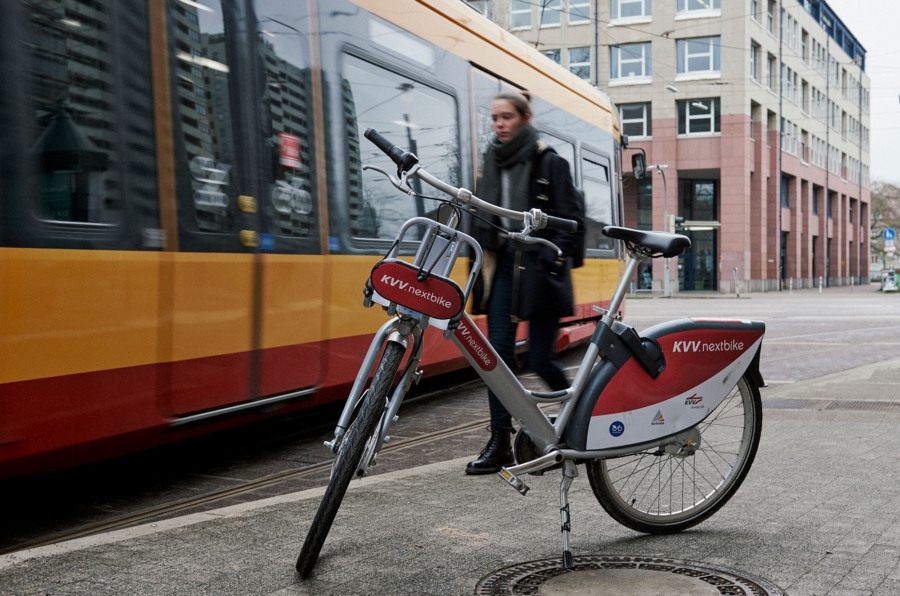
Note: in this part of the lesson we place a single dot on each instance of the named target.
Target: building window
(553, 55)
(754, 10)
(550, 13)
(485, 7)
(630, 60)
(752, 123)
(699, 55)
(580, 62)
(636, 119)
(815, 201)
(770, 17)
(698, 116)
(770, 72)
(520, 14)
(579, 12)
(629, 9)
(785, 192)
(688, 6)
(754, 60)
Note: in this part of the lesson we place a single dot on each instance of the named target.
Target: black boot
(496, 454)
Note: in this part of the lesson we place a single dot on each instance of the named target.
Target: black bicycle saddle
(651, 244)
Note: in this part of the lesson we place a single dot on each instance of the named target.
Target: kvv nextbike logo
(407, 287)
(470, 340)
(728, 345)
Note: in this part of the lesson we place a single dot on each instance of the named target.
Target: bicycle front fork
(398, 331)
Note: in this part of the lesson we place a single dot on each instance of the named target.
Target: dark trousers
(502, 335)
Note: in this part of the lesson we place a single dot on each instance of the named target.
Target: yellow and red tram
(185, 227)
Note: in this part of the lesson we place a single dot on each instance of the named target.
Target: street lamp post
(661, 169)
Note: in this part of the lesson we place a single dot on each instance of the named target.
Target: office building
(758, 108)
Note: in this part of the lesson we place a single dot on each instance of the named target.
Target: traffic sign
(890, 248)
(889, 234)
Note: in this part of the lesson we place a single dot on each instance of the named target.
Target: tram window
(204, 133)
(598, 200)
(412, 116)
(290, 207)
(564, 148)
(92, 126)
(484, 88)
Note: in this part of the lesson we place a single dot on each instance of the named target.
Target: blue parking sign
(889, 234)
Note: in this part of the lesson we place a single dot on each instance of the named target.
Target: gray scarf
(509, 164)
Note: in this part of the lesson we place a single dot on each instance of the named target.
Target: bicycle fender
(623, 405)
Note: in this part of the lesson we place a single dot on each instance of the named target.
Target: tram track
(161, 511)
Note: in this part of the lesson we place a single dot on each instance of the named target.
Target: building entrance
(698, 201)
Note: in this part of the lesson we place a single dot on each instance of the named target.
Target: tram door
(245, 284)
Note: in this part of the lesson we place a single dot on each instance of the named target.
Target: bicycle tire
(641, 491)
(349, 454)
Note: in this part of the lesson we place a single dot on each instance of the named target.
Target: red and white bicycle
(666, 423)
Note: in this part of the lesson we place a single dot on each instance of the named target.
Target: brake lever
(526, 239)
(398, 184)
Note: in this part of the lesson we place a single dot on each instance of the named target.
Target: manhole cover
(603, 575)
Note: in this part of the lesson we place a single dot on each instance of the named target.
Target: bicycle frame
(438, 252)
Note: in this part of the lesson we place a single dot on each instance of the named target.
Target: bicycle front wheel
(658, 493)
(349, 454)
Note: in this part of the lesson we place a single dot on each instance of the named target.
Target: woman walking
(522, 282)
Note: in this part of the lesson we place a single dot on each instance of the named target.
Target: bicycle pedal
(513, 481)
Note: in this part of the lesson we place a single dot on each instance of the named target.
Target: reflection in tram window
(598, 201)
(199, 42)
(409, 114)
(282, 33)
(77, 86)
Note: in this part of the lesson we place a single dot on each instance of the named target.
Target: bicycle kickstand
(569, 474)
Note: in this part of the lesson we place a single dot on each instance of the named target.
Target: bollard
(820, 284)
(736, 291)
(851, 285)
(790, 285)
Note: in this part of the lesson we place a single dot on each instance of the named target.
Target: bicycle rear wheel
(659, 493)
(349, 455)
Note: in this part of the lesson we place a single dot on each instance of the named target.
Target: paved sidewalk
(819, 514)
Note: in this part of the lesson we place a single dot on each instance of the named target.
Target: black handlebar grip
(403, 159)
(562, 224)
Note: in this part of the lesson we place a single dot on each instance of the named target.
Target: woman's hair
(520, 101)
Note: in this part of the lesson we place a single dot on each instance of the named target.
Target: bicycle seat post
(616, 301)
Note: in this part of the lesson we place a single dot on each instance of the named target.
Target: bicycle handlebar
(406, 161)
(562, 224)
(403, 159)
